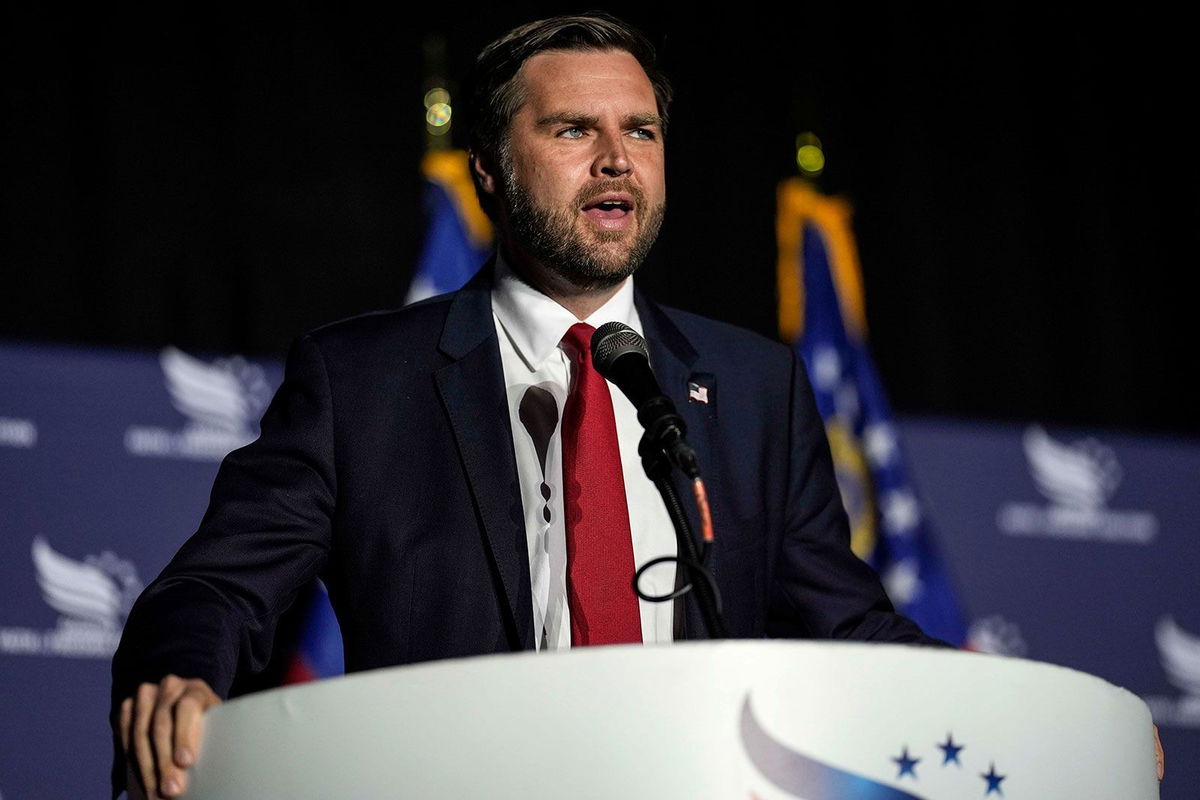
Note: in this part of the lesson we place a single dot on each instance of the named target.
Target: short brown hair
(494, 95)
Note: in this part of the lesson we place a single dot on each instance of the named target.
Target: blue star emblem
(950, 751)
(907, 764)
(993, 780)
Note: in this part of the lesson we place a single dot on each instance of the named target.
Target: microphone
(621, 356)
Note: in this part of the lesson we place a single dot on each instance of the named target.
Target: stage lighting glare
(811, 159)
(436, 96)
(438, 115)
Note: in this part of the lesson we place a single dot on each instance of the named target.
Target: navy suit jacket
(385, 466)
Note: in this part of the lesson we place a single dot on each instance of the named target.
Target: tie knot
(579, 339)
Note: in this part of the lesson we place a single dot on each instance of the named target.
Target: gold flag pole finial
(799, 205)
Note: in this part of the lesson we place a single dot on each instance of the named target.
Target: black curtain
(1023, 180)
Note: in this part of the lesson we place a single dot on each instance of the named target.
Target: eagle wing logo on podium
(1078, 479)
(222, 401)
(801, 775)
(93, 596)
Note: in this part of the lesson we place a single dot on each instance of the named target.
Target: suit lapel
(472, 389)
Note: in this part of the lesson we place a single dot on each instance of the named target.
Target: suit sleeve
(266, 533)
(820, 588)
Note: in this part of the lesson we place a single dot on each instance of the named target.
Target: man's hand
(160, 731)
(1159, 759)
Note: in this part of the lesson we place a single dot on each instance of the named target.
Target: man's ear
(483, 171)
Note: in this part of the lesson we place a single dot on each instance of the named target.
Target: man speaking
(457, 472)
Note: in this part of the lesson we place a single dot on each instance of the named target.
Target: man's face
(582, 175)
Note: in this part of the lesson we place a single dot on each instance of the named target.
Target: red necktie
(604, 609)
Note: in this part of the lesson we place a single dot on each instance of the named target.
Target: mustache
(622, 185)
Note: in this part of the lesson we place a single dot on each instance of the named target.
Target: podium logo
(1179, 654)
(92, 597)
(912, 772)
(1077, 479)
(221, 400)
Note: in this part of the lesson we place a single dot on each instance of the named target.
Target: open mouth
(609, 207)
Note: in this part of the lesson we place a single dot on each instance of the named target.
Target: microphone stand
(658, 464)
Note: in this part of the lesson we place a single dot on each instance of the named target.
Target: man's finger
(133, 787)
(189, 727)
(141, 750)
(189, 722)
(162, 731)
(1160, 758)
(126, 722)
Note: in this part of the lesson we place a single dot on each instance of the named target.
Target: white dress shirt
(530, 326)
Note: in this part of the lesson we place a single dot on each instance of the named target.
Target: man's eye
(571, 133)
(642, 133)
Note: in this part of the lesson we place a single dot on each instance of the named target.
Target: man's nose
(612, 160)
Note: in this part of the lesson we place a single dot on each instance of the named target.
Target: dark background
(1024, 181)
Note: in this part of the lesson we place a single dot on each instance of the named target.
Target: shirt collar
(535, 324)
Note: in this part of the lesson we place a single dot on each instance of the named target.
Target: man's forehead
(557, 76)
(582, 53)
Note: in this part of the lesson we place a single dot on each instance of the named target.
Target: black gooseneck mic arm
(621, 356)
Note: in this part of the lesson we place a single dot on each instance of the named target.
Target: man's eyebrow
(644, 120)
(569, 118)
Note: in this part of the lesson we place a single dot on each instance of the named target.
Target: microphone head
(613, 340)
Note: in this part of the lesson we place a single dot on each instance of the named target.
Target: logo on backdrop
(92, 597)
(1077, 479)
(16, 432)
(1179, 654)
(221, 400)
(997, 636)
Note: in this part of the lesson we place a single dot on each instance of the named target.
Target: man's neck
(581, 301)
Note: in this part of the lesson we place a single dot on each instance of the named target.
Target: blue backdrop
(1078, 548)
(106, 460)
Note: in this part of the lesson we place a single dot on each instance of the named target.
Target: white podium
(762, 719)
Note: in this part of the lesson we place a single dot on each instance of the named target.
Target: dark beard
(550, 238)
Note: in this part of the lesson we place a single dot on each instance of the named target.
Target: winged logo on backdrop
(17, 432)
(1179, 655)
(1078, 479)
(222, 401)
(92, 597)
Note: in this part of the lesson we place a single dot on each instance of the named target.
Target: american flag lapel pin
(697, 393)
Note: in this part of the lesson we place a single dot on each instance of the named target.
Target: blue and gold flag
(458, 237)
(821, 310)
